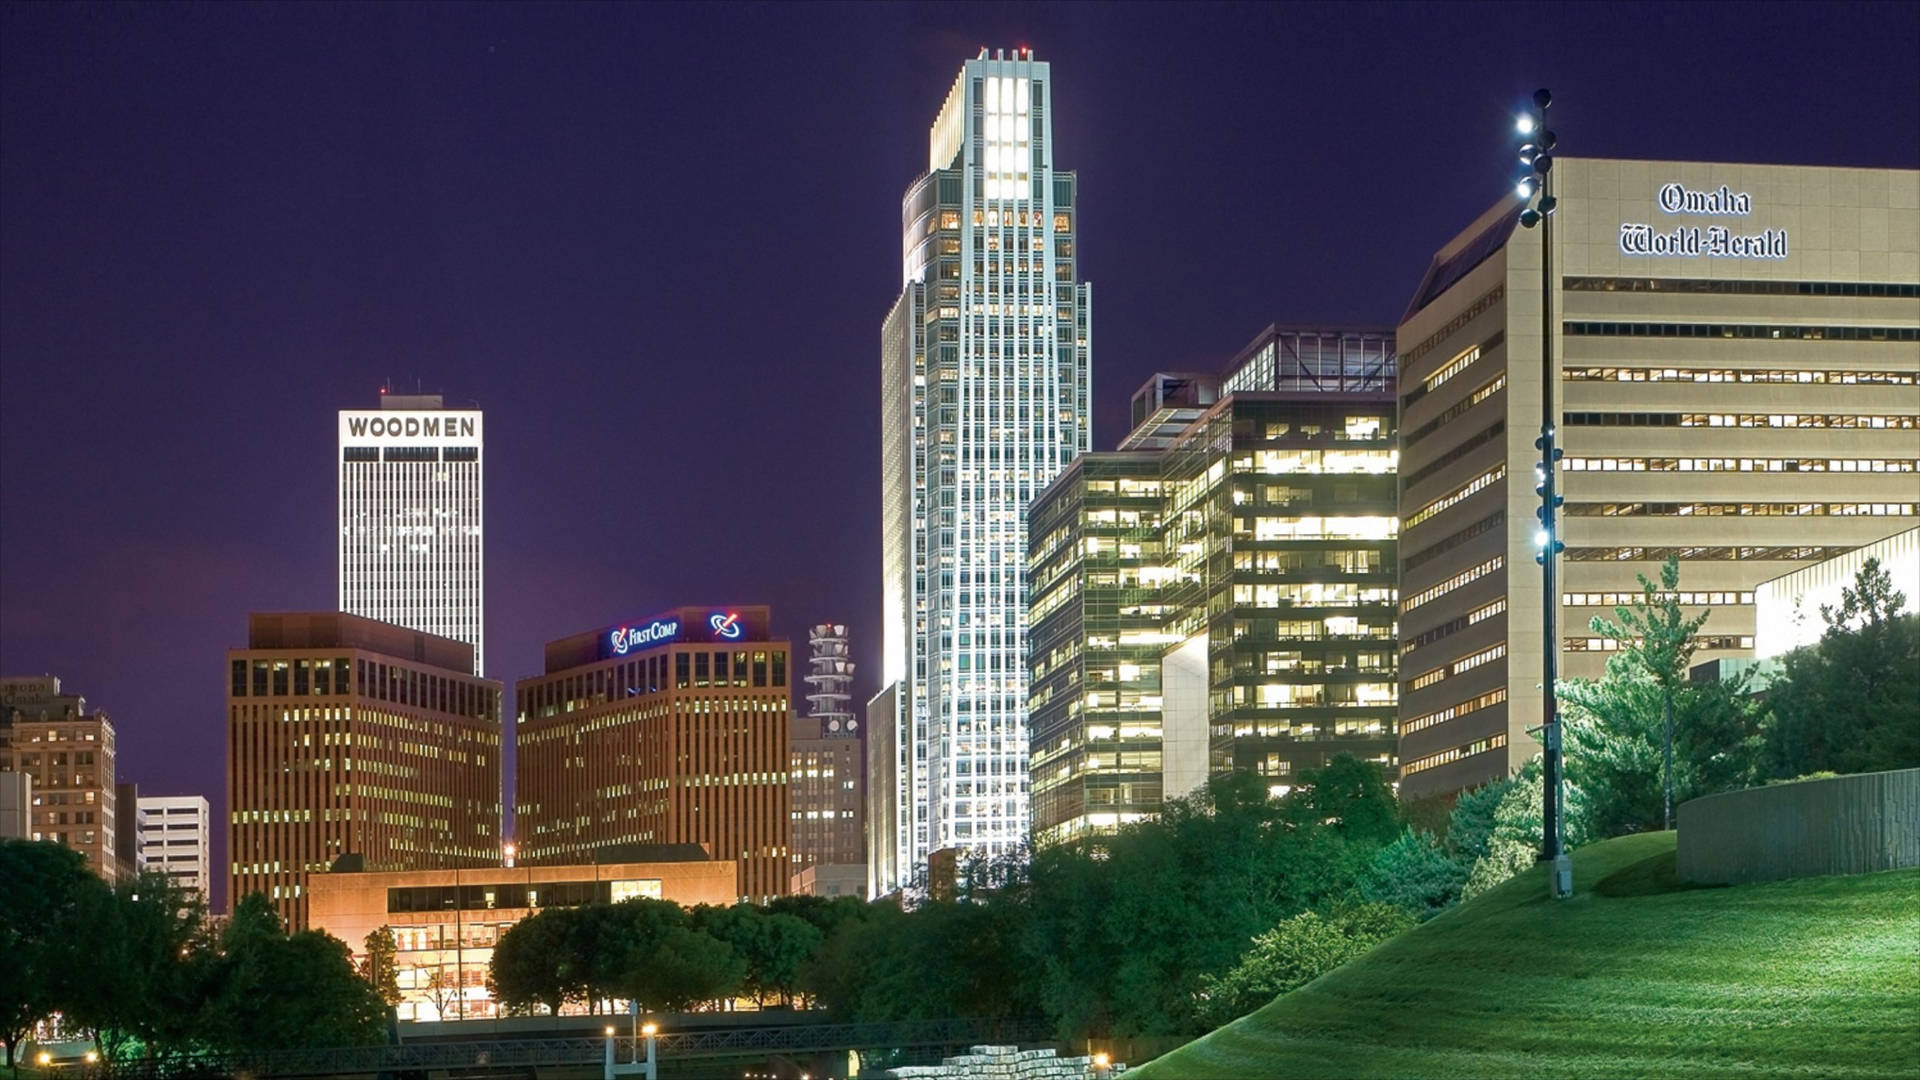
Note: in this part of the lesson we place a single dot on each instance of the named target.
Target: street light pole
(1537, 155)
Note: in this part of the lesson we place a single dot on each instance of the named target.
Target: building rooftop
(339, 630)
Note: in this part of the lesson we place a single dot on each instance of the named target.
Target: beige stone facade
(68, 752)
(446, 922)
(1745, 400)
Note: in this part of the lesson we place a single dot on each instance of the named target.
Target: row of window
(1741, 288)
(1457, 495)
(1627, 599)
(1669, 464)
(1497, 429)
(1494, 386)
(1704, 641)
(1742, 509)
(1451, 368)
(409, 453)
(1739, 420)
(1464, 577)
(1656, 553)
(1453, 754)
(1742, 331)
(1738, 375)
(1441, 716)
(1465, 664)
(1454, 625)
(1434, 339)
(1427, 554)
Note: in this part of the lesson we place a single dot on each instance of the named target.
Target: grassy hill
(1635, 975)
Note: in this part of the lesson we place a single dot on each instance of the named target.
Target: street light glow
(1540, 538)
(1525, 124)
(649, 1029)
(1525, 188)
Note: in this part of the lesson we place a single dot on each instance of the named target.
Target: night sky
(655, 244)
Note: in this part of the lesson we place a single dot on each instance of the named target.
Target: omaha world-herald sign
(1692, 241)
(396, 427)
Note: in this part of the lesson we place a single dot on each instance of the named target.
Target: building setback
(176, 841)
(986, 367)
(669, 730)
(67, 752)
(1743, 401)
(411, 510)
(347, 736)
(1220, 596)
(445, 923)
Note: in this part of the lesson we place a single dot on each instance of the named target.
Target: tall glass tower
(985, 375)
(410, 515)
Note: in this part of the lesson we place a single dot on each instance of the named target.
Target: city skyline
(155, 331)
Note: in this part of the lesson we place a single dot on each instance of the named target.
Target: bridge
(680, 1054)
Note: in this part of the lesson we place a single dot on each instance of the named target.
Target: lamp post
(1538, 204)
(650, 1030)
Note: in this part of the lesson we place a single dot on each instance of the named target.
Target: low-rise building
(445, 923)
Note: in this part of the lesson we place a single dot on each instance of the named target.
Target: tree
(534, 962)
(773, 945)
(44, 891)
(1296, 952)
(1656, 636)
(378, 966)
(1846, 703)
(275, 991)
(1414, 874)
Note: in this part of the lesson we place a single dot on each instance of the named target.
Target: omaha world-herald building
(985, 372)
(347, 736)
(668, 730)
(1218, 594)
(410, 516)
(1736, 348)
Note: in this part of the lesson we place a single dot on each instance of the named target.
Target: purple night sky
(656, 243)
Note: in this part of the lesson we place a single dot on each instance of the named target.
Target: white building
(1787, 608)
(174, 840)
(986, 371)
(410, 517)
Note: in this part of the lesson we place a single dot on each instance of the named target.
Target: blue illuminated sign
(623, 639)
(725, 624)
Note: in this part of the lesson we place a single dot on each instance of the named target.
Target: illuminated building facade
(986, 371)
(1736, 349)
(410, 549)
(669, 730)
(177, 841)
(347, 736)
(67, 751)
(445, 923)
(825, 763)
(1221, 597)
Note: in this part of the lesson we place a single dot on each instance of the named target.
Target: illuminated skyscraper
(410, 516)
(985, 375)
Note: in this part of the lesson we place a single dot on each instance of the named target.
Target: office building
(176, 841)
(445, 923)
(67, 751)
(668, 730)
(347, 736)
(985, 376)
(411, 511)
(1220, 596)
(826, 766)
(1734, 350)
(129, 831)
(16, 806)
(1787, 609)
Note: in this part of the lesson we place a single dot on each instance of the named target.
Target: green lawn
(1633, 976)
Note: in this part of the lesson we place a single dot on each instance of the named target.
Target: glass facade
(985, 379)
(1226, 603)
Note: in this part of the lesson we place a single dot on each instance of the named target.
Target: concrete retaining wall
(1843, 825)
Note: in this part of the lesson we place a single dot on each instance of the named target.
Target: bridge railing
(523, 1052)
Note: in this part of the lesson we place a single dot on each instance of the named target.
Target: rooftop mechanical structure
(829, 684)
